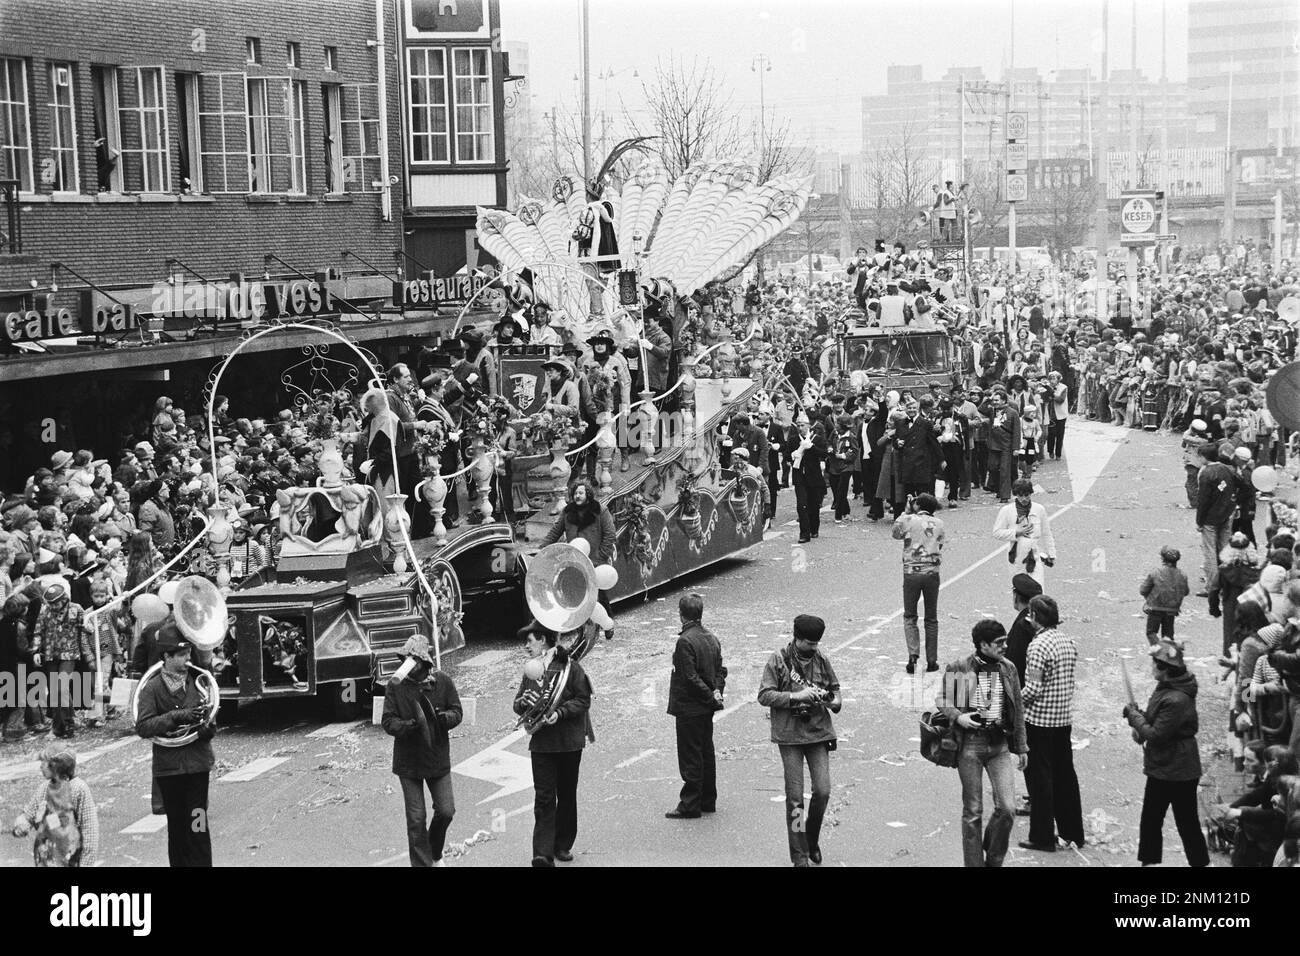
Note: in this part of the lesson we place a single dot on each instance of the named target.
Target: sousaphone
(560, 587)
(200, 611)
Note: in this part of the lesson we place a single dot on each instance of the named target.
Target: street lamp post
(761, 64)
(1230, 187)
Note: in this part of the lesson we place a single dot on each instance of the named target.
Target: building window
(223, 157)
(108, 132)
(277, 160)
(332, 58)
(473, 87)
(331, 101)
(295, 113)
(190, 142)
(15, 124)
(253, 48)
(142, 118)
(62, 171)
(428, 98)
(359, 120)
(292, 55)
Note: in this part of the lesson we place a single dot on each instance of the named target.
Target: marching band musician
(555, 710)
(169, 700)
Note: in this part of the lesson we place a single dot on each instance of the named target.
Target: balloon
(1264, 478)
(148, 608)
(534, 669)
(582, 545)
(606, 577)
(600, 617)
(168, 592)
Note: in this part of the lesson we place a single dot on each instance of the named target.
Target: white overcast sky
(826, 54)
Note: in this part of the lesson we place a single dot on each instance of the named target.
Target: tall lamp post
(1230, 187)
(761, 64)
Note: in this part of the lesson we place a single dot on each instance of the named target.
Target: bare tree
(1064, 211)
(690, 111)
(898, 177)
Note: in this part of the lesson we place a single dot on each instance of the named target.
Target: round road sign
(1137, 216)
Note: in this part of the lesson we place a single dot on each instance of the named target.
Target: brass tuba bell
(560, 587)
(200, 611)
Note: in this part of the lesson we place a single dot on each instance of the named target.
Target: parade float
(611, 260)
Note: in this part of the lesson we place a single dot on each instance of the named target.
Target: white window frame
(363, 165)
(332, 118)
(253, 50)
(293, 54)
(427, 108)
(112, 125)
(159, 154)
(11, 103)
(193, 134)
(490, 132)
(58, 148)
(277, 130)
(331, 59)
(233, 147)
(295, 109)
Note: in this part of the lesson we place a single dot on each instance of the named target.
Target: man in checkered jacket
(1049, 701)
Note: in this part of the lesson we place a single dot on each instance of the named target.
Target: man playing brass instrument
(554, 699)
(168, 701)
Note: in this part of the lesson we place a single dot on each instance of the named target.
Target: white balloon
(606, 576)
(1264, 478)
(582, 545)
(168, 592)
(600, 617)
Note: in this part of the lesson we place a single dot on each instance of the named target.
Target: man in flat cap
(800, 687)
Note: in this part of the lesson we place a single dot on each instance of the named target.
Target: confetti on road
(895, 824)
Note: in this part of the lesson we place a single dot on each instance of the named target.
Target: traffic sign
(1166, 237)
(1017, 157)
(1017, 187)
(1017, 126)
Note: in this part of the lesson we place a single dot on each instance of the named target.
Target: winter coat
(1164, 590)
(848, 454)
(917, 451)
(599, 532)
(160, 711)
(777, 686)
(960, 690)
(1167, 730)
(573, 729)
(697, 672)
(418, 716)
(1216, 496)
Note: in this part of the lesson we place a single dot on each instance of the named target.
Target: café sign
(431, 292)
(35, 325)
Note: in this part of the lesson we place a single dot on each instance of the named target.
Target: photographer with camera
(980, 696)
(801, 689)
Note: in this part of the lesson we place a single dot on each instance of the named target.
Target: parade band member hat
(417, 646)
(603, 334)
(1024, 585)
(809, 628)
(169, 639)
(1168, 653)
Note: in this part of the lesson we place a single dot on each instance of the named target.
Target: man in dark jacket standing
(555, 708)
(419, 709)
(807, 450)
(695, 692)
(171, 700)
(1216, 499)
(1023, 589)
(917, 447)
(1003, 442)
(1171, 759)
(981, 696)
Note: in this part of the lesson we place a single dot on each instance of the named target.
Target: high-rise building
(1255, 44)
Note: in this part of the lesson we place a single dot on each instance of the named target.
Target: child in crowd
(62, 812)
(1031, 433)
(1164, 590)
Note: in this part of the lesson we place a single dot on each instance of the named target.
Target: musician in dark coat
(917, 448)
(419, 710)
(556, 712)
(695, 692)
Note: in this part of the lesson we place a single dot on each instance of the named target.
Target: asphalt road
(291, 789)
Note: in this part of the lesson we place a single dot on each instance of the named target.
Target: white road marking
(28, 768)
(251, 771)
(334, 730)
(405, 855)
(497, 765)
(150, 824)
(631, 760)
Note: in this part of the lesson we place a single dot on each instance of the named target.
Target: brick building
(160, 145)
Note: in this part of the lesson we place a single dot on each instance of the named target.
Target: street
(290, 789)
